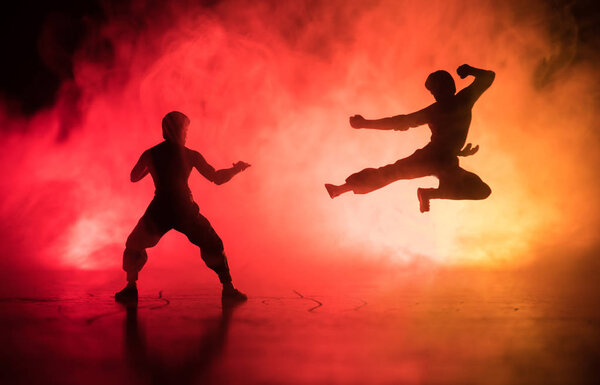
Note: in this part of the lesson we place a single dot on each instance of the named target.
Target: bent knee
(133, 244)
(139, 241)
(208, 242)
(485, 191)
(213, 259)
(134, 260)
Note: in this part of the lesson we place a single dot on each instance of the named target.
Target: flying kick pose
(449, 119)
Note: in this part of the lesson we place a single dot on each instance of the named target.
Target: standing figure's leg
(145, 234)
(456, 183)
(415, 166)
(200, 232)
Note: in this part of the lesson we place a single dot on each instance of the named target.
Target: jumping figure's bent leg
(457, 184)
(424, 195)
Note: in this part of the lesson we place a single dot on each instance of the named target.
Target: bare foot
(333, 190)
(423, 199)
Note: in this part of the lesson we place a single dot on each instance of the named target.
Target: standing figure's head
(174, 127)
(441, 85)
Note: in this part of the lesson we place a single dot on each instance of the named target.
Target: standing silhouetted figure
(449, 119)
(170, 164)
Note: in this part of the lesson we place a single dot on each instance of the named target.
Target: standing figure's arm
(483, 81)
(397, 123)
(217, 176)
(141, 168)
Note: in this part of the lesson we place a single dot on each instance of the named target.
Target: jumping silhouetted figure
(449, 119)
(170, 164)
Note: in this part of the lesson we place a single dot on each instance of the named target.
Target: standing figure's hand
(357, 121)
(463, 71)
(240, 166)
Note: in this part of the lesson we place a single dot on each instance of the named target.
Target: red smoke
(273, 84)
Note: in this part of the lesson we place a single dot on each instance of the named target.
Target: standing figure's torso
(170, 168)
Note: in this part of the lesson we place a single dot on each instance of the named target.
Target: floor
(440, 327)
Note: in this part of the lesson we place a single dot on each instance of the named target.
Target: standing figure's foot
(334, 190)
(423, 199)
(129, 294)
(232, 295)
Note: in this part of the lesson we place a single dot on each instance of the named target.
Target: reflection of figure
(449, 119)
(194, 369)
(170, 164)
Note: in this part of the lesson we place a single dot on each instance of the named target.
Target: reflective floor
(442, 327)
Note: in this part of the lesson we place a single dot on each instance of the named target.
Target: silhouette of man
(449, 119)
(170, 164)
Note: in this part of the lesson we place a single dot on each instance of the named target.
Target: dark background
(39, 40)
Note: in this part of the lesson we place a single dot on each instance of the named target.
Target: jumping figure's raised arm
(483, 81)
(216, 176)
(141, 168)
(397, 123)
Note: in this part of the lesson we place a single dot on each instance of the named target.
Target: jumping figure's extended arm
(483, 81)
(141, 168)
(217, 176)
(397, 123)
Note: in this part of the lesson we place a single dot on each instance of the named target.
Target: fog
(273, 84)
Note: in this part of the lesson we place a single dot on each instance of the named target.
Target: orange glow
(279, 97)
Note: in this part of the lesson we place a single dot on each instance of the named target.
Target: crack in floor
(364, 303)
(319, 304)
(166, 302)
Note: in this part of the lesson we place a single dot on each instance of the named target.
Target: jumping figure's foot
(231, 295)
(423, 199)
(334, 190)
(127, 295)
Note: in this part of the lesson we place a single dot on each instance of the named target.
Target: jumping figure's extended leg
(335, 191)
(417, 165)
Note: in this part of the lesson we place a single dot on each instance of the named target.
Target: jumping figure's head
(174, 127)
(441, 85)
